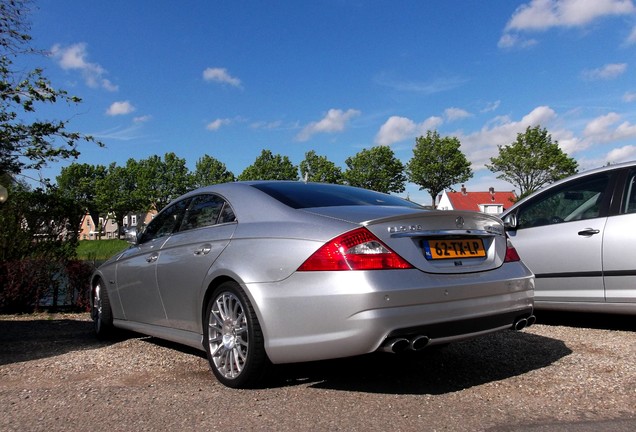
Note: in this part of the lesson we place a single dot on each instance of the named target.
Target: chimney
(463, 190)
(492, 193)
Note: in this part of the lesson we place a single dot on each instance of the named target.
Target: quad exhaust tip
(402, 344)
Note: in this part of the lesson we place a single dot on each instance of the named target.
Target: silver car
(576, 235)
(278, 272)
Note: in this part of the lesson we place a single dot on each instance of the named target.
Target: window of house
(133, 219)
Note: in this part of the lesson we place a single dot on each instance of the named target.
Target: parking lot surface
(568, 372)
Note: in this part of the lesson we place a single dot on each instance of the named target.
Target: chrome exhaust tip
(419, 342)
(395, 345)
(531, 320)
(520, 324)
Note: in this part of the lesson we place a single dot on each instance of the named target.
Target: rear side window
(578, 200)
(206, 210)
(630, 196)
(301, 195)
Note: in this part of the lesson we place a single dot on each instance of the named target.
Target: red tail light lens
(511, 253)
(356, 250)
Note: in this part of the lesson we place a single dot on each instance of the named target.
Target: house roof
(472, 200)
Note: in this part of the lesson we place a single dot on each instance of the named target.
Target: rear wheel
(233, 338)
(101, 311)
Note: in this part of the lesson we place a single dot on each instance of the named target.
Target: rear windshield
(301, 195)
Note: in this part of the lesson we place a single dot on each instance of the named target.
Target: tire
(233, 338)
(101, 311)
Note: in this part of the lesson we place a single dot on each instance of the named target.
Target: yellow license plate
(454, 248)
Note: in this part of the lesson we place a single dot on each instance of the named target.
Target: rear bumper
(321, 315)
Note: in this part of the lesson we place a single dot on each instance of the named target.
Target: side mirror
(510, 221)
(131, 236)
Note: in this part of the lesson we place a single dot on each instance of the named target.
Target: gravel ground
(557, 375)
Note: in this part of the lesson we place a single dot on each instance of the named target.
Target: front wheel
(101, 311)
(233, 338)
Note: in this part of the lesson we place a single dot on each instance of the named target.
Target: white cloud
(334, 121)
(480, 146)
(221, 75)
(629, 97)
(74, 57)
(609, 71)
(545, 14)
(508, 40)
(600, 125)
(541, 15)
(453, 114)
(397, 129)
(217, 124)
(142, 119)
(631, 39)
(267, 125)
(492, 106)
(621, 154)
(120, 108)
(425, 87)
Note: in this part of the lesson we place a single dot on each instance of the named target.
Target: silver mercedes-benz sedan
(576, 235)
(256, 273)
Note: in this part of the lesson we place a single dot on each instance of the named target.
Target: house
(88, 230)
(107, 226)
(485, 202)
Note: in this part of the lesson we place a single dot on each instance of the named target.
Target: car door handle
(588, 232)
(203, 250)
(152, 258)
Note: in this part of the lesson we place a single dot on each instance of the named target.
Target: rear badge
(459, 222)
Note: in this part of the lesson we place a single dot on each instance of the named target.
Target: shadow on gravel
(587, 320)
(23, 340)
(435, 371)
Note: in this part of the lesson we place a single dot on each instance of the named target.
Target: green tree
(78, 182)
(116, 193)
(437, 164)
(26, 143)
(268, 166)
(376, 169)
(532, 161)
(160, 181)
(316, 168)
(209, 171)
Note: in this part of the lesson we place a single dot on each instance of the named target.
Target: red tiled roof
(472, 200)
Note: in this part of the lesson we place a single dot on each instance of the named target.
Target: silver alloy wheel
(228, 335)
(97, 303)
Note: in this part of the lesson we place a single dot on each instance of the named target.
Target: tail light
(511, 252)
(356, 250)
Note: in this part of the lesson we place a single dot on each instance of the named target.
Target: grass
(99, 249)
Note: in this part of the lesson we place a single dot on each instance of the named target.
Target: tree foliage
(210, 171)
(316, 168)
(532, 161)
(78, 182)
(377, 169)
(268, 166)
(437, 163)
(24, 143)
(160, 181)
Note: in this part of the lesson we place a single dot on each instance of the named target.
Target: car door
(186, 257)
(136, 270)
(619, 260)
(559, 236)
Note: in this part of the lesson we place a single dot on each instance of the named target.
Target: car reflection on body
(266, 272)
(576, 235)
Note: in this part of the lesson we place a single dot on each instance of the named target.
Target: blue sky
(229, 79)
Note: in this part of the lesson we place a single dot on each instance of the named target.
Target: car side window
(630, 196)
(577, 200)
(205, 210)
(166, 222)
